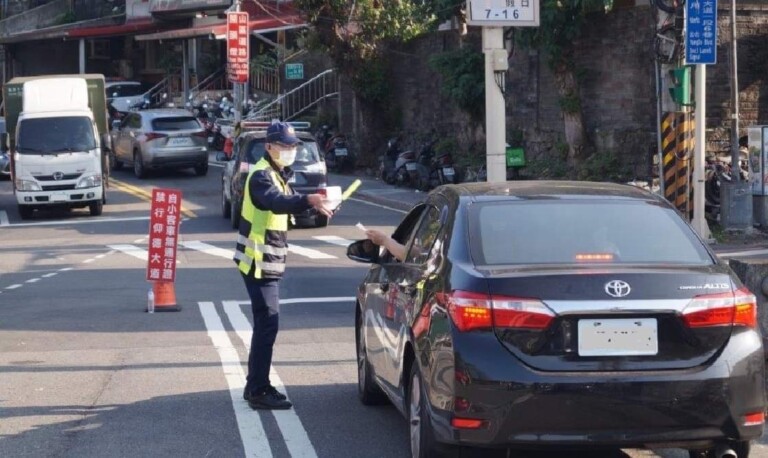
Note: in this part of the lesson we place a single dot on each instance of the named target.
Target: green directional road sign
(294, 71)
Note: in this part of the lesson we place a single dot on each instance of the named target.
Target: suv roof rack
(263, 125)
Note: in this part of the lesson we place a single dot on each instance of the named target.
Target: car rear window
(256, 150)
(175, 123)
(125, 90)
(306, 153)
(581, 231)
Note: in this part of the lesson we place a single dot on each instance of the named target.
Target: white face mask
(285, 157)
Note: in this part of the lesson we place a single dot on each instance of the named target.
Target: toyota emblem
(617, 288)
(58, 176)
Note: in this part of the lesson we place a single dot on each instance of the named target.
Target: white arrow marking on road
(255, 440)
(333, 240)
(132, 250)
(295, 436)
(309, 252)
(3, 218)
(208, 249)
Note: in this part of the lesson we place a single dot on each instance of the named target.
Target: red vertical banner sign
(165, 215)
(238, 49)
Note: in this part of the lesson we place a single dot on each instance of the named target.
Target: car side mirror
(363, 251)
(221, 156)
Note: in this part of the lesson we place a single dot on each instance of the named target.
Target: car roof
(545, 189)
(302, 135)
(166, 112)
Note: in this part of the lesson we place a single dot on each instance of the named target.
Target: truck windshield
(55, 135)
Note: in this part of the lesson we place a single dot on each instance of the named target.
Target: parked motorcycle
(717, 170)
(338, 157)
(395, 164)
(433, 170)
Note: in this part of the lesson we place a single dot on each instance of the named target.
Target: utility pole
(492, 16)
(237, 92)
(735, 159)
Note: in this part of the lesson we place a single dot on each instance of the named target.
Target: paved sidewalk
(402, 198)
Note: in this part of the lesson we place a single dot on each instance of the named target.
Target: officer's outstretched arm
(267, 196)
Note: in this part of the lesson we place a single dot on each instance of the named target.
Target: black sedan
(558, 315)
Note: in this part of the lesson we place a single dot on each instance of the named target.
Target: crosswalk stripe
(131, 250)
(295, 436)
(208, 249)
(252, 433)
(333, 240)
(309, 252)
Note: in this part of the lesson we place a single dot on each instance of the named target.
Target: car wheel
(226, 206)
(422, 442)
(369, 393)
(235, 215)
(25, 212)
(138, 165)
(201, 169)
(321, 221)
(116, 165)
(96, 208)
(741, 449)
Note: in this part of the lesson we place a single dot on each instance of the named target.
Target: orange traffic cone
(165, 297)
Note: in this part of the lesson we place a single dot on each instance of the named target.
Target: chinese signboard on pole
(163, 234)
(701, 32)
(238, 50)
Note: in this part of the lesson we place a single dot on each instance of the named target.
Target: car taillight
(153, 136)
(737, 308)
(470, 311)
(754, 419)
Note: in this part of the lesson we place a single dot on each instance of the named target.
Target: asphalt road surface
(85, 372)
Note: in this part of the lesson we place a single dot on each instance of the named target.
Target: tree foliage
(463, 72)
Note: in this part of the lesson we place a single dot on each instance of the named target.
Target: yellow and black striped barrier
(677, 147)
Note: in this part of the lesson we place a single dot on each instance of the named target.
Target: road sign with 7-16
(500, 13)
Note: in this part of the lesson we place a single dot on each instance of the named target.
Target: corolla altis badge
(617, 288)
(58, 175)
(707, 286)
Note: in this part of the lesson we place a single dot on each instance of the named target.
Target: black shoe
(268, 400)
(270, 389)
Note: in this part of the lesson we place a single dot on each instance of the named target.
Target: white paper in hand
(360, 226)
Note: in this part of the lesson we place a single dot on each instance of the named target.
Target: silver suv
(164, 138)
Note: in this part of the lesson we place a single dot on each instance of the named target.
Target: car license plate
(59, 197)
(179, 141)
(341, 151)
(618, 337)
(448, 171)
(410, 166)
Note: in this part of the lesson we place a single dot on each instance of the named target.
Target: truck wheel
(96, 208)
(138, 165)
(226, 206)
(235, 211)
(321, 221)
(25, 211)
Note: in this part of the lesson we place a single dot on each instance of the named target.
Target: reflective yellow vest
(263, 234)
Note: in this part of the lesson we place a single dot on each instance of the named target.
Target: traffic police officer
(261, 251)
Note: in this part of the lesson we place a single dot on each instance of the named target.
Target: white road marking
(735, 254)
(66, 269)
(32, 280)
(309, 252)
(141, 240)
(295, 436)
(101, 255)
(97, 219)
(87, 261)
(131, 250)
(3, 218)
(334, 240)
(14, 286)
(208, 249)
(255, 440)
(378, 205)
(52, 274)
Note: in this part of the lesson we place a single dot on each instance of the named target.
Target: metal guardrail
(299, 99)
(212, 81)
(265, 79)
